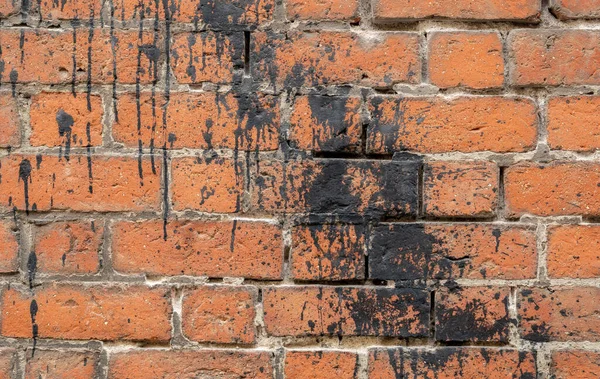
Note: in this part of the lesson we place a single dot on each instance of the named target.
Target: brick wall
(367, 189)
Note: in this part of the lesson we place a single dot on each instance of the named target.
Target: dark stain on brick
(331, 114)
(218, 14)
(33, 310)
(65, 128)
(25, 176)
(31, 267)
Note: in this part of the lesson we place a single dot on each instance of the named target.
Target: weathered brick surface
(320, 364)
(573, 251)
(575, 364)
(71, 364)
(9, 247)
(8, 362)
(573, 123)
(323, 10)
(11, 133)
(575, 9)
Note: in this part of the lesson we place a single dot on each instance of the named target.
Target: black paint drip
(65, 129)
(31, 267)
(25, 176)
(33, 310)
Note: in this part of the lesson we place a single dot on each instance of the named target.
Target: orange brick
(326, 123)
(346, 311)
(451, 362)
(573, 251)
(84, 183)
(143, 364)
(452, 251)
(573, 123)
(219, 314)
(207, 184)
(11, 129)
(554, 57)
(62, 364)
(68, 247)
(70, 9)
(559, 314)
(78, 312)
(437, 125)
(8, 363)
(214, 249)
(575, 9)
(199, 120)
(326, 58)
(9, 8)
(9, 247)
(323, 10)
(472, 60)
(328, 252)
(561, 188)
(460, 189)
(575, 364)
(60, 119)
(320, 364)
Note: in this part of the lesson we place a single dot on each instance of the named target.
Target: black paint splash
(65, 129)
(25, 176)
(33, 310)
(31, 268)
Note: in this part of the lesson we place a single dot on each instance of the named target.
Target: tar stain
(31, 267)
(25, 176)
(13, 76)
(33, 310)
(65, 129)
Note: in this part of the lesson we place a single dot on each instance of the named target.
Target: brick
(83, 183)
(460, 189)
(326, 58)
(326, 124)
(451, 362)
(151, 363)
(9, 247)
(70, 9)
(573, 123)
(438, 125)
(199, 120)
(219, 314)
(9, 114)
(573, 251)
(68, 247)
(471, 60)
(8, 363)
(199, 248)
(554, 57)
(76, 312)
(476, 314)
(60, 119)
(337, 186)
(207, 57)
(9, 8)
(452, 251)
(323, 10)
(62, 364)
(212, 184)
(575, 9)
(328, 252)
(64, 56)
(575, 364)
(320, 364)
(560, 188)
(559, 314)
(346, 311)
(407, 10)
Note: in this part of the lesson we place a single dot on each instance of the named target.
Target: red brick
(62, 364)
(71, 9)
(472, 60)
(326, 124)
(575, 9)
(320, 364)
(575, 364)
(207, 184)
(460, 189)
(573, 251)
(76, 312)
(328, 252)
(336, 186)
(478, 314)
(209, 248)
(560, 314)
(49, 183)
(8, 363)
(323, 10)
(9, 8)
(407, 10)
(451, 362)
(68, 247)
(219, 314)
(561, 188)
(554, 57)
(52, 50)
(9, 114)
(438, 125)
(573, 123)
(143, 364)
(9, 247)
(346, 311)
(199, 120)
(452, 251)
(325, 58)
(60, 119)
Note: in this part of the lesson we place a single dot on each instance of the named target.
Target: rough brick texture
(299, 189)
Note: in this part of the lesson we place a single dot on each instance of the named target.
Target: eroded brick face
(297, 189)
